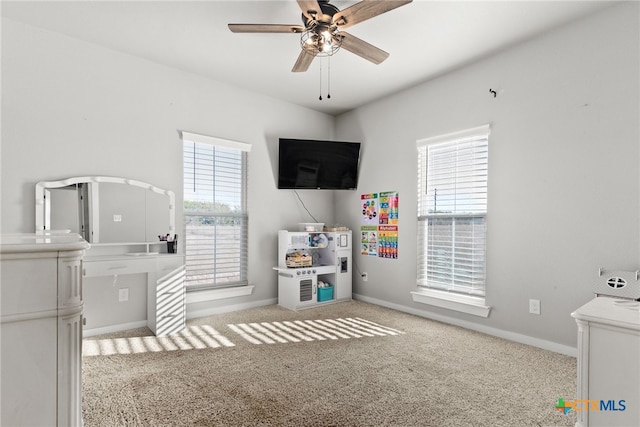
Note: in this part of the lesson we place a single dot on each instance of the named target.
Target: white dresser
(608, 363)
(41, 329)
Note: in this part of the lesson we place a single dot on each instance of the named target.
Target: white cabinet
(164, 276)
(41, 330)
(608, 363)
(166, 311)
(322, 258)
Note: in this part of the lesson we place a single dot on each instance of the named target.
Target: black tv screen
(313, 164)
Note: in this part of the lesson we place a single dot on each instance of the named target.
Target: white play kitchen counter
(608, 362)
(41, 329)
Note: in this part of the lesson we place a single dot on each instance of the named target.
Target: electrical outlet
(534, 306)
(365, 277)
(117, 218)
(123, 294)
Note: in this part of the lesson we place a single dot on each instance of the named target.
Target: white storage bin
(311, 226)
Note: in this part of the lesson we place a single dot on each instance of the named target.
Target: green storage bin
(325, 294)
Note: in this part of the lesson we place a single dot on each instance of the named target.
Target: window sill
(462, 303)
(216, 294)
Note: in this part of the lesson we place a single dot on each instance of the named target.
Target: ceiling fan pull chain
(320, 97)
(329, 78)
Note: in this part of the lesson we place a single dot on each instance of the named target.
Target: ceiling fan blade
(304, 60)
(310, 8)
(265, 28)
(362, 48)
(364, 10)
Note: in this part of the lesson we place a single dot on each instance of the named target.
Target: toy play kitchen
(314, 266)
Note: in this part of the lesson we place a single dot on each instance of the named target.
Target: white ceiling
(424, 38)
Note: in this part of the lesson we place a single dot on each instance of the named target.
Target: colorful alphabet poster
(388, 241)
(380, 220)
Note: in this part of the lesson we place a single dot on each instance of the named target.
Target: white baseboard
(113, 328)
(192, 314)
(219, 293)
(512, 336)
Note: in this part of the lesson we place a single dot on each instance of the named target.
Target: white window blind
(215, 211)
(452, 207)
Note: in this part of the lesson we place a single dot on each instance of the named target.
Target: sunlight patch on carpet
(310, 330)
(191, 338)
(206, 336)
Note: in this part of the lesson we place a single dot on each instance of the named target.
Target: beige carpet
(345, 364)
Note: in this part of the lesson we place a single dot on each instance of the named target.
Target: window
(215, 211)
(452, 209)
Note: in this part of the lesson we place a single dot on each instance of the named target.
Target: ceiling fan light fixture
(321, 41)
(319, 30)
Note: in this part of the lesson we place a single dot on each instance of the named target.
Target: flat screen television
(314, 164)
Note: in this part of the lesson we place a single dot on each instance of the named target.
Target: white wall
(564, 177)
(72, 108)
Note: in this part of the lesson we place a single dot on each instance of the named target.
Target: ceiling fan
(321, 32)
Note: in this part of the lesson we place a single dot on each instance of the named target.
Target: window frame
(438, 294)
(243, 215)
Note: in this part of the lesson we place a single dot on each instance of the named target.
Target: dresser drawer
(168, 263)
(118, 266)
(28, 286)
(170, 323)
